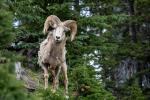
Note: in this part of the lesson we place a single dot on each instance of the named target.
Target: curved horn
(52, 21)
(72, 25)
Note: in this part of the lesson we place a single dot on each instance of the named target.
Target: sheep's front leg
(46, 76)
(64, 69)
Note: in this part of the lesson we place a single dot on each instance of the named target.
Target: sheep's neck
(56, 52)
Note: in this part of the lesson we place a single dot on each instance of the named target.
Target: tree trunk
(76, 6)
(132, 26)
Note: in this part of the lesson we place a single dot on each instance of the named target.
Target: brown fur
(52, 54)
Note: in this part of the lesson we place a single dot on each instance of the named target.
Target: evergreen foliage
(10, 88)
(6, 35)
(133, 92)
(109, 31)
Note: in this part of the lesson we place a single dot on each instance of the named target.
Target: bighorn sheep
(51, 55)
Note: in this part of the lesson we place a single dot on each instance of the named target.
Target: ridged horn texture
(51, 21)
(72, 25)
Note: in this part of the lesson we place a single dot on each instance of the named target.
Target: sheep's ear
(72, 25)
(51, 21)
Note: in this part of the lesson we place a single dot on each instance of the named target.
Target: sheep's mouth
(58, 41)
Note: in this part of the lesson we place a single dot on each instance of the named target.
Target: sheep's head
(60, 28)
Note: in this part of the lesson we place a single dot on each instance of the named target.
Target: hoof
(53, 91)
(45, 88)
(66, 96)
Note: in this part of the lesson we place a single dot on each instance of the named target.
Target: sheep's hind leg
(64, 69)
(46, 76)
(54, 80)
(57, 77)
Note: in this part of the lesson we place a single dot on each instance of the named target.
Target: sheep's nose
(57, 37)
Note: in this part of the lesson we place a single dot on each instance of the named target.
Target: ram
(51, 55)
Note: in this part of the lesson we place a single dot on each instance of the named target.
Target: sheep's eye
(50, 29)
(65, 31)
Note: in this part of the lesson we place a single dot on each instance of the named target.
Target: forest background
(107, 61)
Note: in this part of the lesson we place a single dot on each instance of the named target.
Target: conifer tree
(109, 32)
